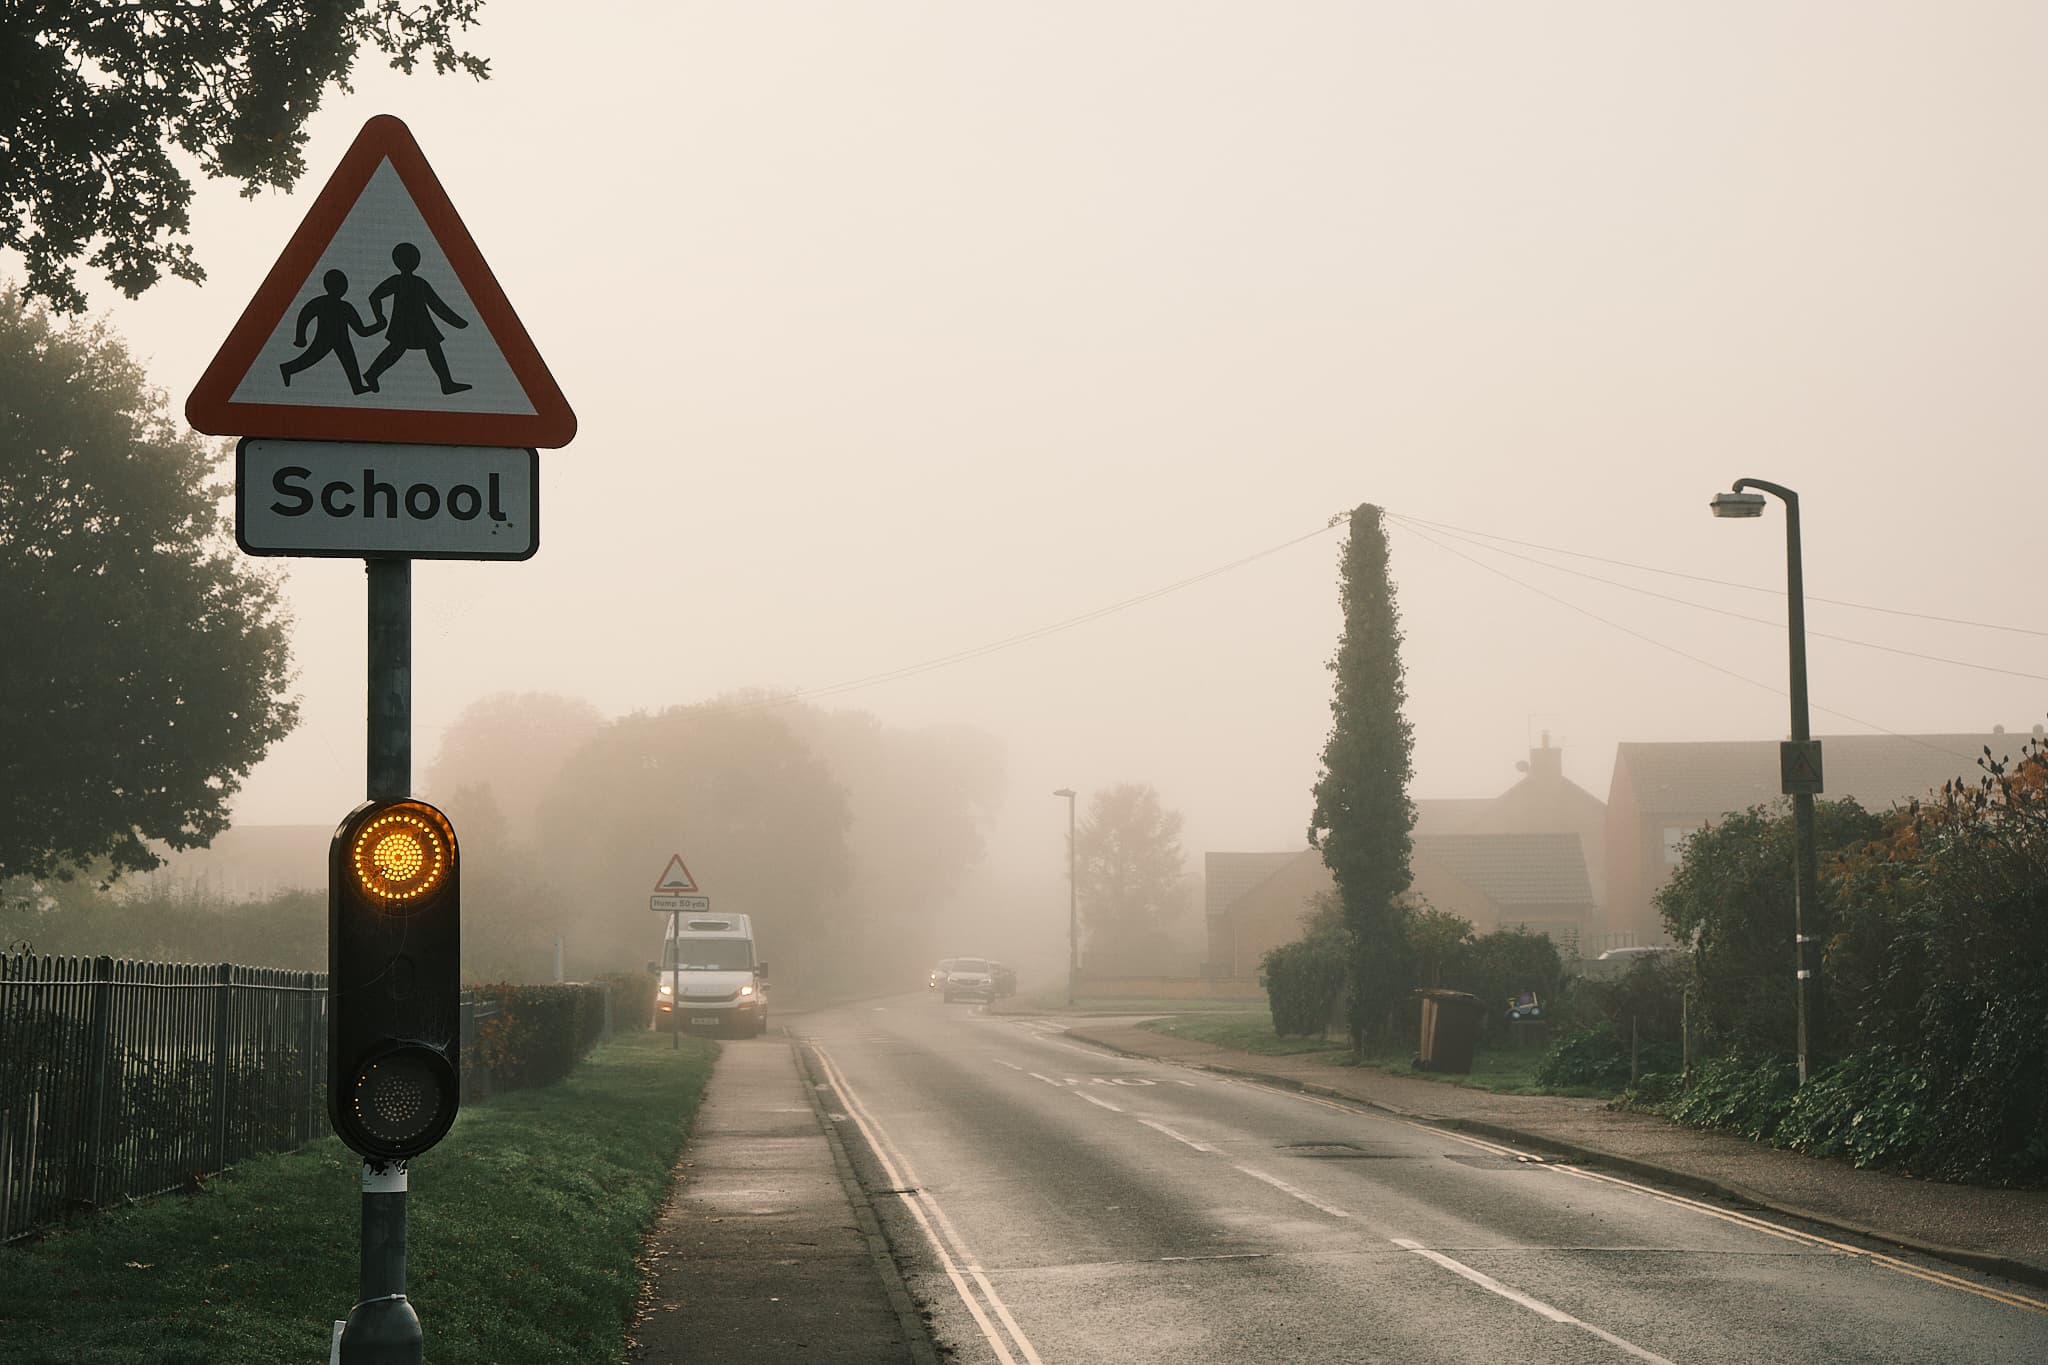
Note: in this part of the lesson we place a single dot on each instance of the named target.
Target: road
(1059, 1205)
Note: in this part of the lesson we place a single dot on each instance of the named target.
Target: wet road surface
(1055, 1203)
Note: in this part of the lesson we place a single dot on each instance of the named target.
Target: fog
(916, 349)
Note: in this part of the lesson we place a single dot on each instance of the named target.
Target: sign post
(421, 447)
(669, 898)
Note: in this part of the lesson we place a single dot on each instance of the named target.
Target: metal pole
(1073, 909)
(675, 980)
(1806, 879)
(382, 1328)
(390, 680)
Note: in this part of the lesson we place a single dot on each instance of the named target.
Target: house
(1662, 793)
(1527, 857)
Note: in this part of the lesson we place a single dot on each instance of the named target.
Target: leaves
(1363, 817)
(108, 102)
(144, 663)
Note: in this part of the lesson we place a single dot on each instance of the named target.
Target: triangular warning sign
(675, 877)
(381, 322)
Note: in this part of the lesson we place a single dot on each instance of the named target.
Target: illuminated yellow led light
(403, 854)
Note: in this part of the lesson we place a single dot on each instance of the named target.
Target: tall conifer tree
(1363, 817)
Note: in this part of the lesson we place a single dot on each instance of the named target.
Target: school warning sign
(381, 322)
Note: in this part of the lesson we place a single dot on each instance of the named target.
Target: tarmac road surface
(1054, 1204)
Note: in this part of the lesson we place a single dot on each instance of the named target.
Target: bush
(1496, 966)
(538, 1033)
(1304, 981)
(1598, 1058)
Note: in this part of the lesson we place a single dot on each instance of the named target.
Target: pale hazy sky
(897, 329)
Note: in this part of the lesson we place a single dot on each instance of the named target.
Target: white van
(709, 979)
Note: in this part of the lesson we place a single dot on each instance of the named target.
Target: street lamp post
(1799, 767)
(1073, 902)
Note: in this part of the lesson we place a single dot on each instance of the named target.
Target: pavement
(760, 1254)
(766, 1253)
(1999, 1232)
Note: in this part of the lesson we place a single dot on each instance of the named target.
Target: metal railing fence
(120, 1080)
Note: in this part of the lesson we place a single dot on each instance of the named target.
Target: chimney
(1546, 764)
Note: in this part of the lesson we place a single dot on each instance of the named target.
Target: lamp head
(1738, 504)
(1067, 792)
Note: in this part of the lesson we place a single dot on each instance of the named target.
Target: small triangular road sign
(381, 322)
(675, 877)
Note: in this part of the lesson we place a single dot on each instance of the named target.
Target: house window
(1674, 843)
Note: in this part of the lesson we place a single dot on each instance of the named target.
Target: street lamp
(1798, 761)
(1073, 902)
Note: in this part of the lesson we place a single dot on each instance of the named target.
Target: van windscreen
(709, 955)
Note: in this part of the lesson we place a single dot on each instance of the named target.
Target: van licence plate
(712, 1019)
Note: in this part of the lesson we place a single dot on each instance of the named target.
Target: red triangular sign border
(212, 409)
(661, 883)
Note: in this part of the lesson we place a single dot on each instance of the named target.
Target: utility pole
(1073, 902)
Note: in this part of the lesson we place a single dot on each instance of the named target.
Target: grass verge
(1508, 1071)
(1055, 1002)
(523, 1227)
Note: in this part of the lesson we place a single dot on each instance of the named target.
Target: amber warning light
(402, 855)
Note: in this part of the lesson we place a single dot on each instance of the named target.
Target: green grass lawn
(1510, 1071)
(524, 1225)
(1055, 1002)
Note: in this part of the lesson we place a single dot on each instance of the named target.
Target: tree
(104, 97)
(1731, 899)
(143, 664)
(757, 815)
(1128, 864)
(513, 744)
(1363, 818)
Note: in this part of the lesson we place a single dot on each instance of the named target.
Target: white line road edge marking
(1099, 1104)
(1277, 1183)
(1177, 1137)
(1935, 1277)
(1516, 1296)
(904, 1179)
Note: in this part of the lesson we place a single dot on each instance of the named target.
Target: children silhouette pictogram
(414, 306)
(331, 317)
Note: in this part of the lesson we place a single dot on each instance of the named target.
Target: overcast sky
(897, 329)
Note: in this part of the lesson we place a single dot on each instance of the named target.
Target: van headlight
(667, 989)
(746, 991)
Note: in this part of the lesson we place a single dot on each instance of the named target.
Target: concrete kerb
(916, 1331)
(2026, 1272)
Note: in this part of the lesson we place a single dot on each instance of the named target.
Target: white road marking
(1516, 1296)
(1938, 1277)
(1177, 1137)
(1277, 1183)
(1099, 1104)
(918, 1201)
(1037, 1077)
(1012, 1065)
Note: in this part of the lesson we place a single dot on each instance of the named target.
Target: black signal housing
(394, 982)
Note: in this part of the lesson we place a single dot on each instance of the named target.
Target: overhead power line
(1472, 540)
(1022, 637)
(1569, 605)
(1718, 582)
